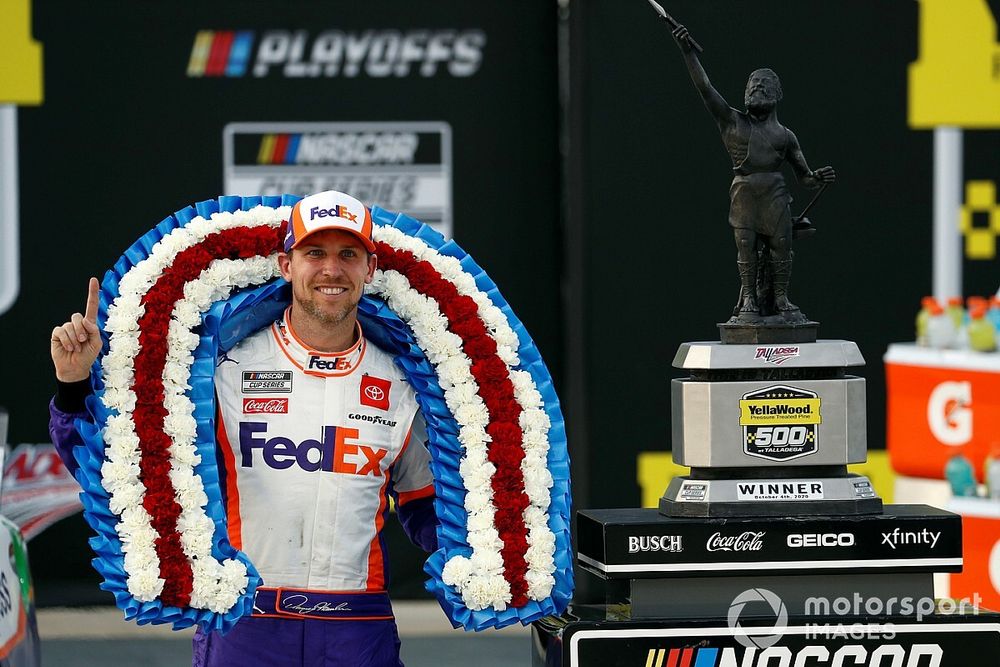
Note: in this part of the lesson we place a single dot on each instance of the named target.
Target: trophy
(769, 522)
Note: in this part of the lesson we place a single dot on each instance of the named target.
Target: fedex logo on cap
(337, 211)
(329, 210)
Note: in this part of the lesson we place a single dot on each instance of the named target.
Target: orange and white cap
(329, 210)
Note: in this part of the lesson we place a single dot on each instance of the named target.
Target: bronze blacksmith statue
(759, 209)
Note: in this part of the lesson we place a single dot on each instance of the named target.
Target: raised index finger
(92, 300)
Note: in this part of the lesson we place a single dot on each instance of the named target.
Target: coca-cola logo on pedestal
(748, 541)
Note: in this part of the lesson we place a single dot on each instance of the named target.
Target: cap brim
(366, 242)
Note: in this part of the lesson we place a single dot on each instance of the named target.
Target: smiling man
(316, 428)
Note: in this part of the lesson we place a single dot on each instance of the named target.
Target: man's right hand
(76, 344)
(683, 38)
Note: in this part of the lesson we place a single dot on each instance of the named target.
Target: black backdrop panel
(659, 257)
(125, 136)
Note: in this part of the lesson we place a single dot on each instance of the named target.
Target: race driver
(315, 427)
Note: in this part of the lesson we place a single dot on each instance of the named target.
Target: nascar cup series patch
(780, 423)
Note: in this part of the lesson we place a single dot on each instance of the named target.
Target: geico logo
(850, 655)
(375, 53)
(329, 454)
(637, 543)
(338, 364)
(337, 211)
(821, 540)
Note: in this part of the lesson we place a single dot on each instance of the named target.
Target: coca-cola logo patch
(265, 406)
(375, 392)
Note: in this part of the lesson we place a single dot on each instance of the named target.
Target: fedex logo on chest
(337, 451)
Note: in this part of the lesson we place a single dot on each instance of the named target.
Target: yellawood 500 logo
(780, 423)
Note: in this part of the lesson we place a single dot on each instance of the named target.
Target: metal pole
(947, 258)
(9, 273)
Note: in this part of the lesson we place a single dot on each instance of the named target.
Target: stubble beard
(325, 317)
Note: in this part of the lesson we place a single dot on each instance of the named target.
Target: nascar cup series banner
(416, 108)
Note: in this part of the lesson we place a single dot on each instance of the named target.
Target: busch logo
(748, 541)
(337, 211)
(265, 406)
(670, 543)
(776, 355)
(338, 364)
(329, 454)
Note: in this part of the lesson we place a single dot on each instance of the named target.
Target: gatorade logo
(949, 413)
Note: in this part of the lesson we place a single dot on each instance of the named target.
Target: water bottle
(941, 329)
(960, 475)
(982, 335)
(955, 311)
(992, 472)
(923, 315)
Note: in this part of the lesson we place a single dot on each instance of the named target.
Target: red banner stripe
(280, 146)
(149, 414)
(219, 54)
(497, 391)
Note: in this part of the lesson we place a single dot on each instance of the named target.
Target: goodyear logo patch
(780, 423)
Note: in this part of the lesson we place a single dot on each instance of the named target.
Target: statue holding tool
(759, 210)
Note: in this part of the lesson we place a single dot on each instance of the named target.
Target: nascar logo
(922, 655)
(338, 148)
(220, 53)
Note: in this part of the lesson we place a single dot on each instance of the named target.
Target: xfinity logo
(330, 53)
(670, 543)
(798, 541)
(904, 537)
(748, 541)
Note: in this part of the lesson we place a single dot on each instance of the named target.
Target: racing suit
(309, 445)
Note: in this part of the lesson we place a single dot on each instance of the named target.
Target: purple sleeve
(64, 435)
(419, 522)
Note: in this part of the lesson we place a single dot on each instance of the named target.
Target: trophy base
(814, 496)
(772, 330)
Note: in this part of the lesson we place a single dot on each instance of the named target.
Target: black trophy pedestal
(692, 591)
(596, 636)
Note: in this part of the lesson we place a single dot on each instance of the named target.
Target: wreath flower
(205, 278)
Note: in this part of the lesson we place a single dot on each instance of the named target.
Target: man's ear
(372, 265)
(284, 259)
